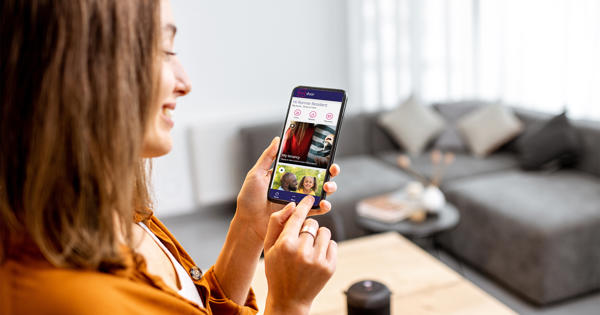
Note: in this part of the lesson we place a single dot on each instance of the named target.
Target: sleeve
(217, 303)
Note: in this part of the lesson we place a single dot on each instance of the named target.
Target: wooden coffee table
(420, 284)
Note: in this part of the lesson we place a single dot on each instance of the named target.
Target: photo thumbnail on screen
(307, 143)
(298, 179)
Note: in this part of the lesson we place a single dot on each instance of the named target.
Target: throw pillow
(450, 139)
(412, 125)
(488, 128)
(556, 142)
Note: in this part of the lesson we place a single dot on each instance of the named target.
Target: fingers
(334, 170)
(322, 243)
(294, 223)
(268, 156)
(324, 207)
(330, 187)
(276, 224)
(332, 254)
(308, 234)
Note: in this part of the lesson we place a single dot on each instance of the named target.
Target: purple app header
(319, 94)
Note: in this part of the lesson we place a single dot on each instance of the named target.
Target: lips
(167, 113)
(167, 109)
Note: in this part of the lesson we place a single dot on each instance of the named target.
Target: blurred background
(245, 58)
(527, 238)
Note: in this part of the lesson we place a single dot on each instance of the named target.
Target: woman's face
(308, 183)
(172, 84)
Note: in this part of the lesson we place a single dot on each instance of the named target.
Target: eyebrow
(171, 28)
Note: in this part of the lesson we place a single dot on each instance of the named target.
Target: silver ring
(309, 230)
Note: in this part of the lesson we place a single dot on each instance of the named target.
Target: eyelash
(170, 53)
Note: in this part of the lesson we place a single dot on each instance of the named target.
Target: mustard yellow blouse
(30, 285)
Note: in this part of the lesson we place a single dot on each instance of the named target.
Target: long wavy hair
(299, 130)
(77, 81)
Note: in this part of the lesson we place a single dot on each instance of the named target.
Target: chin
(157, 148)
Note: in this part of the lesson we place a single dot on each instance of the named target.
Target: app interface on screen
(306, 145)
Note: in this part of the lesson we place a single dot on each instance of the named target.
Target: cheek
(166, 85)
(157, 140)
(167, 82)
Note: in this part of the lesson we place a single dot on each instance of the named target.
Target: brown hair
(75, 90)
(299, 129)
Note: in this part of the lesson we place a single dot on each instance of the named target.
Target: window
(539, 54)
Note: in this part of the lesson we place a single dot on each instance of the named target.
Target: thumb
(276, 224)
(268, 156)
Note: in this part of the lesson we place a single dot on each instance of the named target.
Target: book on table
(388, 208)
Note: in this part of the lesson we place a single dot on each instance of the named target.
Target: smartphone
(308, 143)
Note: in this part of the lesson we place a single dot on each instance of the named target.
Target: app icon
(297, 112)
(281, 170)
(276, 194)
(312, 114)
(329, 116)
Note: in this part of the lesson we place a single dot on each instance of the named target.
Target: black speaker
(368, 297)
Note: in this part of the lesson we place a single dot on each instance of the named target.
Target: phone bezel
(333, 149)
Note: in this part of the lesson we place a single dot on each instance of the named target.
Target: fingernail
(274, 139)
(292, 204)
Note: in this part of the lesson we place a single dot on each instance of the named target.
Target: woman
(308, 185)
(87, 89)
(296, 141)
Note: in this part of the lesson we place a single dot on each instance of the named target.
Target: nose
(183, 85)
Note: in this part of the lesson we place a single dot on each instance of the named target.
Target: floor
(202, 234)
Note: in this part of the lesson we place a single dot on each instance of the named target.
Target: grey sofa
(538, 233)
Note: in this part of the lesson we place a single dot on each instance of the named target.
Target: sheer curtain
(539, 54)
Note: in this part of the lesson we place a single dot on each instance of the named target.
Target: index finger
(294, 223)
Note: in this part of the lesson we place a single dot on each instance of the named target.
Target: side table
(421, 233)
(446, 219)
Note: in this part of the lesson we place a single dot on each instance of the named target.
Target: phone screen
(308, 144)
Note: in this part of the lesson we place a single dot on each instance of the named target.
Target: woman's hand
(253, 207)
(297, 263)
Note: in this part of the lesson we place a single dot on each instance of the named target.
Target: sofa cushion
(352, 138)
(412, 124)
(589, 132)
(379, 139)
(555, 142)
(450, 139)
(464, 164)
(488, 128)
(535, 232)
(362, 176)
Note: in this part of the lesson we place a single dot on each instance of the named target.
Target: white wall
(243, 58)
